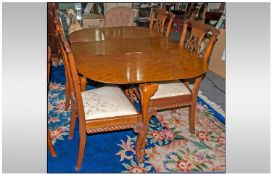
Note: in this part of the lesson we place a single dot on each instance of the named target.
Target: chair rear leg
(72, 122)
(192, 118)
(193, 106)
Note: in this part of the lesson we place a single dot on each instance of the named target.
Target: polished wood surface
(134, 60)
(110, 33)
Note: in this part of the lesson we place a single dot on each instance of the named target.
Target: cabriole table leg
(147, 90)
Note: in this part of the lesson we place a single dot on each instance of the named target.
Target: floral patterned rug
(171, 148)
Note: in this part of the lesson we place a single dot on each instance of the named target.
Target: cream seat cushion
(105, 102)
(170, 89)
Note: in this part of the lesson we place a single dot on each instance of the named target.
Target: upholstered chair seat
(119, 16)
(106, 102)
(170, 89)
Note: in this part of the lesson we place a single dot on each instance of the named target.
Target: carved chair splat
(157, 21)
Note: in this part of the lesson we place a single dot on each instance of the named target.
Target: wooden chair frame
(95, 125)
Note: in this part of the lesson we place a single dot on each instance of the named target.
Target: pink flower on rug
(158, 135)
(159, 116)
(221, 140)
(184, 165)
(50, 107)
(168, 134)
(203, 136)
(200, 107)
(126, 147)
(60, 106)
(56, 86)
(56, 133)
(54, 119)
(137, 169)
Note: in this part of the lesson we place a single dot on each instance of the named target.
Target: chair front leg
(82, 134)
(193, 106)
(81, 150)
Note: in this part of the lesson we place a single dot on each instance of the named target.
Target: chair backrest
(169, 24)
(196, 38)
(73, 79)
(119, 16)
(157, 21)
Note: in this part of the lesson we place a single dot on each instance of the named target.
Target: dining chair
(98, 110)
(119, 16)
(175, 94)
(169, 24)
(49, 142)
(157, 20)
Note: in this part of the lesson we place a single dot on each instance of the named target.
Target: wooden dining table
(132, 55)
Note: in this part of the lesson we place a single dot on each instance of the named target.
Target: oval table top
(129, 59)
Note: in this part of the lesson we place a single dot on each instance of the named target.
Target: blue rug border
(217, 115)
